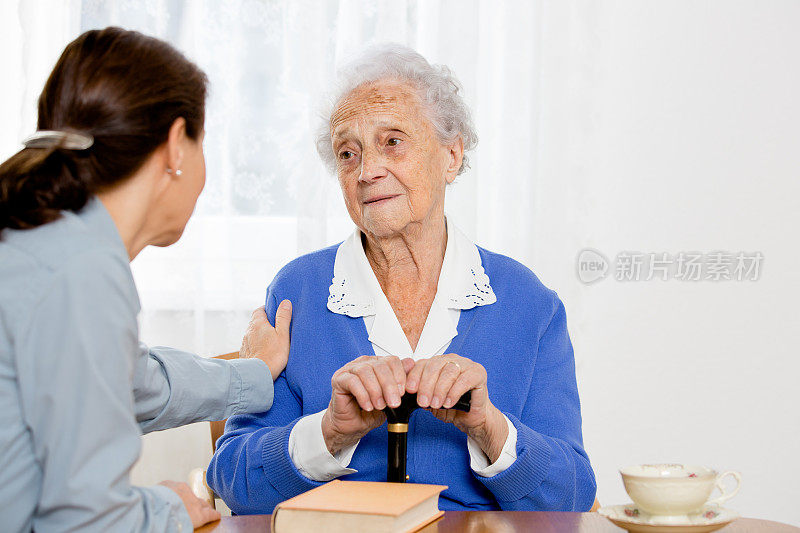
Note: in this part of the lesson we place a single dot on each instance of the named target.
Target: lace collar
(463, 284)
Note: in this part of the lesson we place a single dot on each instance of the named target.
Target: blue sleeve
(251, 469)
(552, 471)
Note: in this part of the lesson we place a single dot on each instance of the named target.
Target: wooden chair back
(218, 427)
(197, 477)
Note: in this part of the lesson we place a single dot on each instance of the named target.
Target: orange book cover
(363, 498)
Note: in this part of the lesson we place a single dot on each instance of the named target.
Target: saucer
(631, 518)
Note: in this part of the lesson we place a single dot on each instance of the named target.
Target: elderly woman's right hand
(360, 389)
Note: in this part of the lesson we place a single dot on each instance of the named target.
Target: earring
(177, 172)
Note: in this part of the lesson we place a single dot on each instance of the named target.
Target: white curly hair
(439, 91)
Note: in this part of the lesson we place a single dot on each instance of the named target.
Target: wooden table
(502, 522)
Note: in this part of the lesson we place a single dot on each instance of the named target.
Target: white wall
(668, 127)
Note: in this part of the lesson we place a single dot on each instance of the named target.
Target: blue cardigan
(521, 340)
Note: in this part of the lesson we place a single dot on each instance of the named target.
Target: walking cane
(397, 423)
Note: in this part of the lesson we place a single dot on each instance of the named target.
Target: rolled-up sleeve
(173, 388)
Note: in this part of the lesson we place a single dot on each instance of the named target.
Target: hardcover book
(350, 506)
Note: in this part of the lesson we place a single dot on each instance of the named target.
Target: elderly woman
(409, 304)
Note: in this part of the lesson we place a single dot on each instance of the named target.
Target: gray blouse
(77, 388)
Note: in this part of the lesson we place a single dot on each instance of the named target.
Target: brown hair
(124, 89)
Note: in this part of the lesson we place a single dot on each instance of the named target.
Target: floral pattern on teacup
(710, 514)
(631, 511)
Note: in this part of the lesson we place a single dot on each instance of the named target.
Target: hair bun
(36, 185)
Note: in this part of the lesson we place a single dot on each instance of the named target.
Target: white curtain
(267, 197)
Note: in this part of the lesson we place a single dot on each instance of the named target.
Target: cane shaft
(397, 425)
(396, 470)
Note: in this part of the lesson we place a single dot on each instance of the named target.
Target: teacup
(675, 489)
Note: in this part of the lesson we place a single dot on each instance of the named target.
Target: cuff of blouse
(310, 454)
(251, 389)
(479, 462)
(179, 519)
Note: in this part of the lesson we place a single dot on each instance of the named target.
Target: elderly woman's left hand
(441, 380)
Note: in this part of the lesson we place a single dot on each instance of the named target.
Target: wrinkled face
(391, 166)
